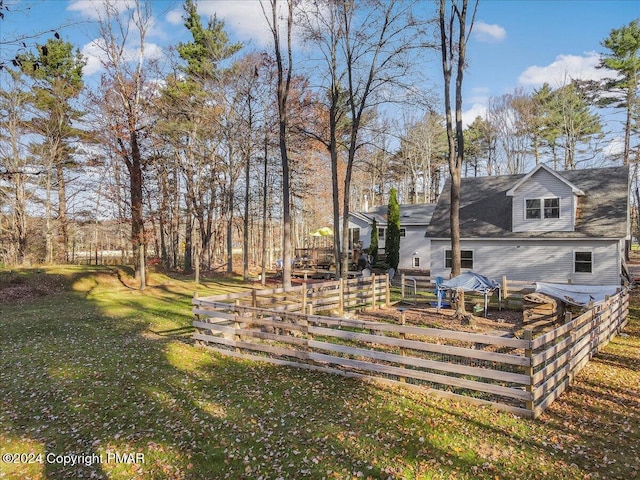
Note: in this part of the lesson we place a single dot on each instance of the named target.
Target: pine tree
(56, 73)
(392, 238)
(624, 58)
(373, 246)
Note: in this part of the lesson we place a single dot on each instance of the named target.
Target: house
(543, 226)
(414, 251)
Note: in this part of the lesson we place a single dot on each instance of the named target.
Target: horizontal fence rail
(519, 375)
(557, 356)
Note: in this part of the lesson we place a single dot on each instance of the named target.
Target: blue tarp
(470, 282)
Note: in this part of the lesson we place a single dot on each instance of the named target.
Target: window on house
(466, 259)
(354, 238)
(381, 234)
(583, 262)
(403, 232)
(416, 261)
(536, 208)
(532, 208)
(551, 208)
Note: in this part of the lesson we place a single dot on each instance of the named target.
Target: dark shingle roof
(485, 209)
(419, 214)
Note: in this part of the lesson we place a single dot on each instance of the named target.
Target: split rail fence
(520, 375)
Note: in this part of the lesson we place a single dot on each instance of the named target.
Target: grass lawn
(90, 366)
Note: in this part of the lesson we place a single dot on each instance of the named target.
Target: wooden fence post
(341, 294)
(236, 326)
(197, 318)
(402, 335)
(373, 291)
(402, 279)
(505, 288)
(254, 298)
(528, 370)
(304, 297)
(387, 300)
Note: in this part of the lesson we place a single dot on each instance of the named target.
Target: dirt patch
(424, 315)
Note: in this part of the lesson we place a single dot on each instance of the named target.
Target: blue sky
(516, 43)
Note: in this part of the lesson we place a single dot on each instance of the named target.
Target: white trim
(542, 166)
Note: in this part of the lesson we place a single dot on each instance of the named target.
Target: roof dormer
(544, 201)
(527, 177)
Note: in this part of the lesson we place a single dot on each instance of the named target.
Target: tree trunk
(188, 242)
(47, 210)
(229, 227)
(137, 221)
(454, 50)
(335, 188)
(264, 208)
(461, 310)
(20, 216)
(63, 236)
(245, 232)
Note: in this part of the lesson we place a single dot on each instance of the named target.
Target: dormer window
(536, 208)
(552, 208)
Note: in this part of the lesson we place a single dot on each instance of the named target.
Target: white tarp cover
(579, 295)
(470, 282)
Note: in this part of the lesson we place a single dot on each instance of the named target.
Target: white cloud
(174, 17)
(476, 110)
(484, 32)
(95, 9)
(246, 19)
(564, 69)
(94, 53)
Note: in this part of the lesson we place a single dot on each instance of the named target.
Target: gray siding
(365, 230)
(544, 185)
(548, 261)
(414, 242)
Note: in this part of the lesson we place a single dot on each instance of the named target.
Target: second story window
(536, 208)
(551, 208)
(532, 208)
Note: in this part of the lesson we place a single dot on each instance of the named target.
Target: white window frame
(416, 262)
(473, 258)
(382, 231)
(542, 207)
(559, 208)
(575, 252)
(403, 232)
(526, 217)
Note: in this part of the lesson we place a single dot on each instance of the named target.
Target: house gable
(544, 202)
